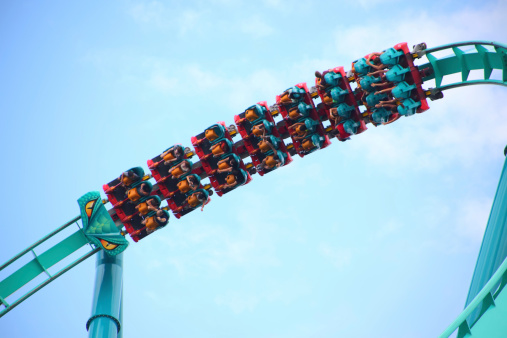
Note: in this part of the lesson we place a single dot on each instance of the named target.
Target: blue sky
(377, 236)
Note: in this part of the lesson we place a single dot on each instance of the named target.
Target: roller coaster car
(203, 142)
(126, 208)
(193, 200)
(185, 187)
(140, 227)
(168, 178)
(396, 68)
(413, 78)
(293, 96)
(254, 128)
(338, 94)
(116, 189)
(269, 161)
(220, 173)
(159, 165)
(312, 143)
(212, 146)
(127, 211)
(328, 79)
(285, 107)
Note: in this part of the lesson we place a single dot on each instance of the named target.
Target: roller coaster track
(479, 57)
(484, 55)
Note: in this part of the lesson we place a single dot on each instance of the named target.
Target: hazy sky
(373, 237)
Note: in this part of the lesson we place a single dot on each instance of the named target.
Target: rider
(182, 168)
(142, 190)
(129, 177)
(225, 165)
(151, 223)
(218, 149)
(188, 183)
(334, 116)
(302, 129)
(231, 180)
(376, 64)
(175, 153)
(151, 204)
(200, 197)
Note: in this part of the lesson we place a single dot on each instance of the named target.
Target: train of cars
(387, 84)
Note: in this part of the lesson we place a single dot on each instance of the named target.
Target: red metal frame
(252, 147)
(207, 166)
(313, 115)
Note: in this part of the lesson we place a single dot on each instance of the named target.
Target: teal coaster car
(215, 133)
(381, 115)
(408, 107)
(255, 113)
(367, 81)
(373, 99)
(350, 126)
(332, 79)
(390, 57)
(338, 95)
(312, 143)
(361, 67)
(396, 74)
(344, 110)
(402, 90)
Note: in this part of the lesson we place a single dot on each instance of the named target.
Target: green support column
(105, 321)
(494, 243)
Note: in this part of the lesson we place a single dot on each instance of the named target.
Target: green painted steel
(11, 306)
(491, 303)
(42, 240)
(41, 264)
(105, 320)
(99, 227)
(484, 55)
(485, 300)
(494, 243)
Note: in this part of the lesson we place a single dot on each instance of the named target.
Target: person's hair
(200, 196)
(185, 164)
(145, 188)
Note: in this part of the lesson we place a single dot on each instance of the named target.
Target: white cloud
(237, 301)
(256, 27)
(151, 12)
(433, 28)
(188, 20)
(163, 83)
(473, 216)
(156, 14)
(337, 256)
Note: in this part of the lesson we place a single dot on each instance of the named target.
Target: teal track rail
(486, 303)
(41, 263)
(479, 57)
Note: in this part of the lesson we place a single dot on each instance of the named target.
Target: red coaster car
(302, 120)
(262, 139)
(219, 159)
(339, 103)
(176, 177)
